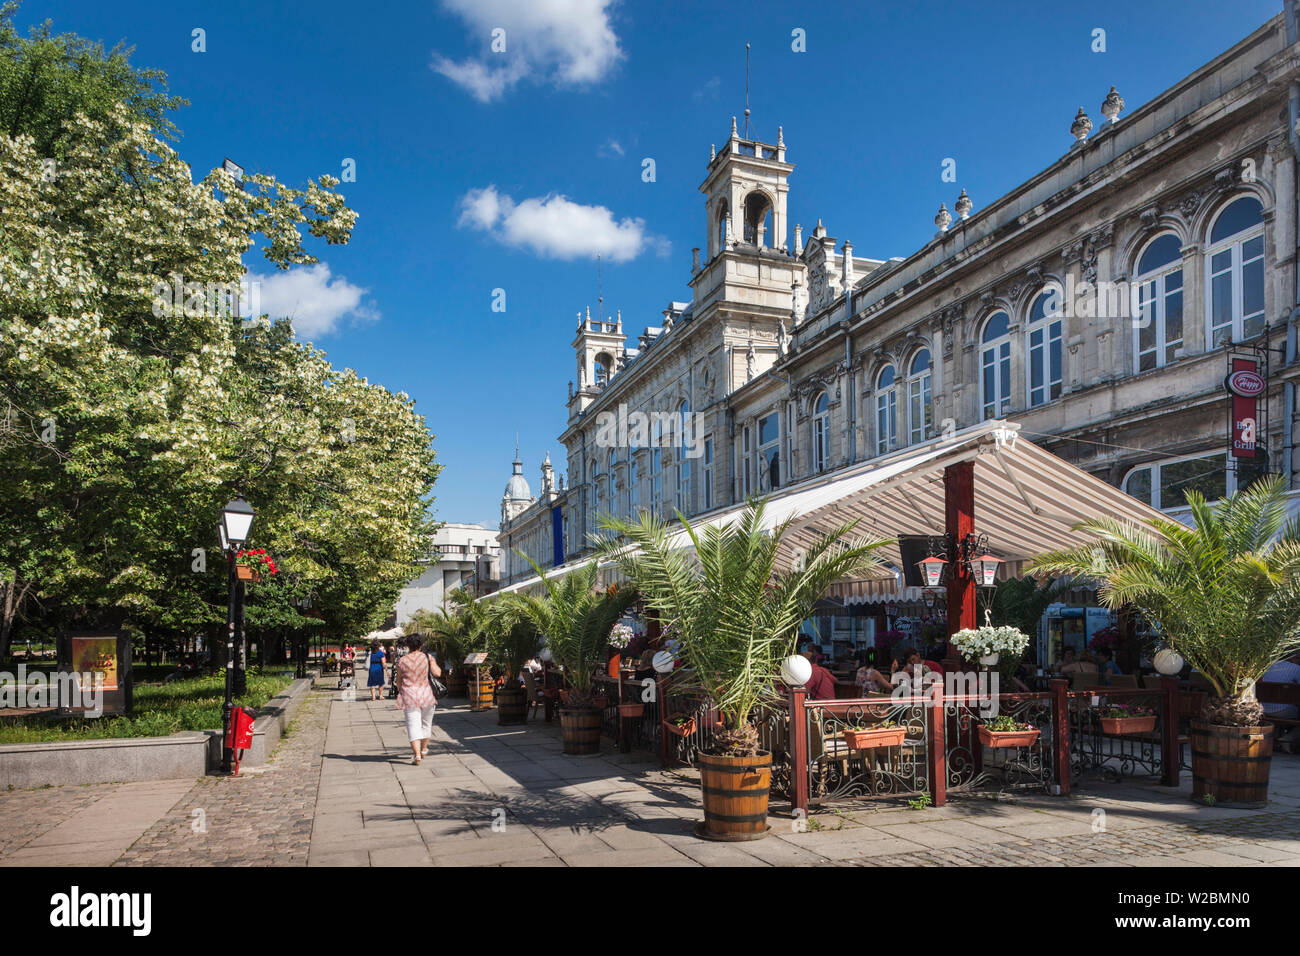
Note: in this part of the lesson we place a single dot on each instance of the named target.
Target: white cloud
(555, 227)
(563, 41)
(312, 298)
(611, 148)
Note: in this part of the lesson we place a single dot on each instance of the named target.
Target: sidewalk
(341, 790)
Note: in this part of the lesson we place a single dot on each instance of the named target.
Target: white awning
(1026, 500)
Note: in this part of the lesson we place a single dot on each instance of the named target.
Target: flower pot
(735, 792)
(680, 730)
(631, 711)
(457, 684)
(1231, 764)
(512, 705)
(1007, 738)
(580, 730)
(600, 703)
(1127, 725)
(989, 660)
(873, 737)
(244, 572)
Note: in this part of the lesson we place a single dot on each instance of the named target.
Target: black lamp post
(236, 522)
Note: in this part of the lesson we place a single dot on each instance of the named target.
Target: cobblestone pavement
(341, 790)
(262, 817)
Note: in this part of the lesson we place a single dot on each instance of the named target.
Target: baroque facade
(1097, 304)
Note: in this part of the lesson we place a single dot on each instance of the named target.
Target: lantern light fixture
(985, 569)
(237, 521)
(796, 670)
(933, 570)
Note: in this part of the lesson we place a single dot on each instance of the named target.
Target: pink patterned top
(413, 681)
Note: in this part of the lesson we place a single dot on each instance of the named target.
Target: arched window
(758, 214)
(723, 212)
(1158, 331)
(683, 458)
(995, 365)
(918, 398)
(886, 411)
(821, 432)
(1043, 340)
(604, 365)
(1236, 270)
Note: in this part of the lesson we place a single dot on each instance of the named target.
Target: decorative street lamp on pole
(236, 522)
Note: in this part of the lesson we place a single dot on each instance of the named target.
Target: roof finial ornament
(963, 205)
(1081, 126)
(943, 219)
(780, 136)
(1112, 105)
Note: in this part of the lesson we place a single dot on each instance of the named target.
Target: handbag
(437, 686)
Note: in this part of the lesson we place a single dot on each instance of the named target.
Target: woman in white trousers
(415, 696)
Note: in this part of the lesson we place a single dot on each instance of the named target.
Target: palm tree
(735, 617)
(453, 635)
(575, 618)
(1225, 592)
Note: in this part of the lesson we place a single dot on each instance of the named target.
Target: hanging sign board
(479, 657)
(1245, 386)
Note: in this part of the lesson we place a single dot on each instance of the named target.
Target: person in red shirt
(821, 685)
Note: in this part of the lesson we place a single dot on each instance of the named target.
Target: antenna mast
(600, 295)
(746, 91)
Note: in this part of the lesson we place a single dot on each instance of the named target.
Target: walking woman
(375, 679)
(415, 696)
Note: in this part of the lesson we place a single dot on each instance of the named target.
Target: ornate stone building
(1096, 304)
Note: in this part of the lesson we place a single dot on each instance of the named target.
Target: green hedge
(160, 709)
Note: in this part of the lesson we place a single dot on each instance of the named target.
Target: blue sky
(585, 90)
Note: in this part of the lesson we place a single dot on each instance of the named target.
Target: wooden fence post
(799, 750)
(1170, 749)
(661, 711)
(1061, 731)
(937, 749)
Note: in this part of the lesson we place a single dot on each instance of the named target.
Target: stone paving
(341, 790)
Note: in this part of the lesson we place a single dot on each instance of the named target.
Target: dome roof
(517, 487)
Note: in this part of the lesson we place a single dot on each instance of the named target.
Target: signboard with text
(96, 667)
(1246, 388)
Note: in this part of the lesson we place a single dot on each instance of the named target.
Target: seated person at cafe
(1072, 663)
(821, 685)
(868, 678)
(911, 669)
(1106, 665)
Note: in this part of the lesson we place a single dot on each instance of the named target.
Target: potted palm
(1225, 594)
(575, 619)
(512, 641)
(735, 618)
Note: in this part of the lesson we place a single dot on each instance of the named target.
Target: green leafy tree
(1225, 592)
(736, 617)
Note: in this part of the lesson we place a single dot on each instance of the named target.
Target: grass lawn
(160, 709)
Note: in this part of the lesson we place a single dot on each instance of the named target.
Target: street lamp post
(236, 522)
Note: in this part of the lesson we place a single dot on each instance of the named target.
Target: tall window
(1158, 334)
(995, 364)
(886, 411)
(708, 473)
(769, 452)
(1236, 258)
(722, 227)
(633, 492)
(821, 432)
(656, 479)
(595, 486)
(746, 487)
(613, 485)
(1044, 342)
(683, 458)
(918, 398)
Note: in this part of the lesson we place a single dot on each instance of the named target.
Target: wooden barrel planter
(735, 796)
(512, 705)
(480, 693)
(457, 684)
(580, 728)
(1231, 764)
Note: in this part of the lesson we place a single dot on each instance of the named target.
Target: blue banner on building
(557, 535)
